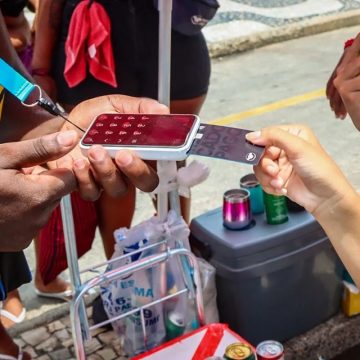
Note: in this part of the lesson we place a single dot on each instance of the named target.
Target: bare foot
(14, 306)
(56, 286)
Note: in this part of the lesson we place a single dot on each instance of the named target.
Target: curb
(47, 317)
(40, 320)
(293, 31)
(316, 343)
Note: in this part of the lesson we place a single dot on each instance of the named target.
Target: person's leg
(113, 214)
(14, 307)
(56, 286)
(14, 272)
(8, 347)
(189, 106)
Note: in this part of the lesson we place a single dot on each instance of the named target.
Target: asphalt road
(244, 85)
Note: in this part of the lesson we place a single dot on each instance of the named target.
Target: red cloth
(89, 43)
(52, 254)
(348, 43)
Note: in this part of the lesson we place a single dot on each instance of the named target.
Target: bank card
(226, 143)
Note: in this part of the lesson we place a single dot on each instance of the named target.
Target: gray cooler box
(273, 281)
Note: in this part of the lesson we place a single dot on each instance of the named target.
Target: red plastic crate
(209, 340)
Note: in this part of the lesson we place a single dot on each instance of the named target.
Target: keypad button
(141, 125)
(88, 139)
(102, 117)
(144, 118)
(131, 117)
(134, 141)
(126, 125)
(107, 140)
(122, 132)
(117, 117)
(93, 132)
(113, 124)
(137, 133)
(108, 132)
(99, 124)
(119, 141)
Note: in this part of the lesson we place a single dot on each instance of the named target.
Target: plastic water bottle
(144, 292)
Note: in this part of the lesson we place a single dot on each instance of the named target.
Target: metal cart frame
(79, 322)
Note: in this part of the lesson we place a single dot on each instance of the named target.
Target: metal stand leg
(72, 260)
(165, 8)
(164, 78)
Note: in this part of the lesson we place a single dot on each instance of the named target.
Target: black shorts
(14, 272)
(135, 45)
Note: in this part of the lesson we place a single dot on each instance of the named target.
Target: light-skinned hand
(294, 164)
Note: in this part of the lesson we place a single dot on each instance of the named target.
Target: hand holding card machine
(169, 137)
(152, 137)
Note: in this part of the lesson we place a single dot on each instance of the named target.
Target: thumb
(37, 151)
(289, 140)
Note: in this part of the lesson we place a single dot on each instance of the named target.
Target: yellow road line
(296, 100)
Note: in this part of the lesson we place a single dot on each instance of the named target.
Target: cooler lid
(257, 244)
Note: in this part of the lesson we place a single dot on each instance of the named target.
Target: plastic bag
(207, 274)
(164, 320)
(137, 289)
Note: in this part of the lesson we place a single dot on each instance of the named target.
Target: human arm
(295, 164)
(19, 30)
(17, 121)
(48, 24)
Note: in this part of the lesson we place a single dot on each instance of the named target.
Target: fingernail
(253, 135)
(124, 158)
(80, 164)
(284, 191)
(97, 153)
(66, 138)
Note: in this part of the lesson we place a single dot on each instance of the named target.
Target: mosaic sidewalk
(53, 341)
(243, 18)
